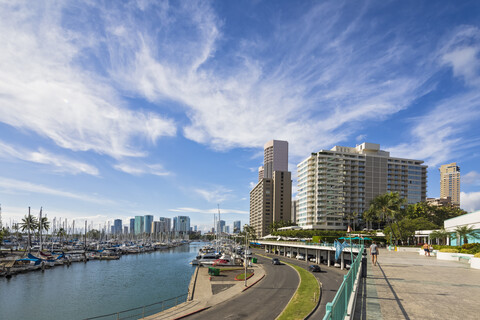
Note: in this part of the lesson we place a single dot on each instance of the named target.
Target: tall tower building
(148, 223)
(338, 184)
(450, 182)
(270, 199)
(117, 224)
(181, 224)
(139, 225)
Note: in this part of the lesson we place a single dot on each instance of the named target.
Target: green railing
(143, 311)
(321, 244)
(337, 309)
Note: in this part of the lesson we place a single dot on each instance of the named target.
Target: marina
(84, 290)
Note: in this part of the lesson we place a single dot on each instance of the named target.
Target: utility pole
(246, 249)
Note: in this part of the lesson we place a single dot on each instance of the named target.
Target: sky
(111, 109)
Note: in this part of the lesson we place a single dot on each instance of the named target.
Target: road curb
(244, 289)
(318, 303)
(191, 313)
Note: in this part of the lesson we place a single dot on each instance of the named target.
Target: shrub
(471, 248)
(477, 255)
(439, 247)
(449, 250)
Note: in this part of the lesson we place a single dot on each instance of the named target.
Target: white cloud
(47, 87)
(59, 163)
(209, 211)
(441, 134)
(311, 92)
(139, 168)
(217, 194)
(461, 52)
(473, 177)
(27, 187)
(470, 201)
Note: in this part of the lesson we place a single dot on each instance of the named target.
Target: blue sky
(115, 109)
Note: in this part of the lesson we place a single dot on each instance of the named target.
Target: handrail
(321, 244)
(337, 309)
(145, 310)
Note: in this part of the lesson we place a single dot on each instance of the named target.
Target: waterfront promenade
(209, 291)
(406, 285)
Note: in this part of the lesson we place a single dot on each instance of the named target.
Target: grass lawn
(303, 300)
(241, 276)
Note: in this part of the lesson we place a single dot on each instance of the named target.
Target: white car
(300, 257)
(289, 255)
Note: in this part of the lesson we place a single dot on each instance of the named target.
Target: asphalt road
(330, 277)
(263, 301)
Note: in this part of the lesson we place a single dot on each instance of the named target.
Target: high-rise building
(156, 227)
(450, 182)
(139, 225)
(117, 224)
(181, 224)
(148, 223)
(125, 230)
(270, 199)
(221, 226)
(237, 226)
(132, 226)
(294, 210)
(166, 224)
(338, 184)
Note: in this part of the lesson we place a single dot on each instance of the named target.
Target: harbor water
(95, 288)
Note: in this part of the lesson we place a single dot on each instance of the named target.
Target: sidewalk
(210, 292)
(406, 285)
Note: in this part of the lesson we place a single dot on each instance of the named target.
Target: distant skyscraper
(450, 182)
(139, 225)
(227, 229)
(148, 223)
(181, 224)
(166, 224)
(340, 183)
(132, 226)
(270, 199)
(117, 223)
(221, 226)
(237, 226)
(156, 227)
(195, 228)
(125, 230)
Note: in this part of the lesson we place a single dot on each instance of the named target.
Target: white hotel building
(333, 184)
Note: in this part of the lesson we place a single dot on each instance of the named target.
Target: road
(265, 300)
(330, 277)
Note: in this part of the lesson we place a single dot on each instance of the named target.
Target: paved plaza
(406, 285)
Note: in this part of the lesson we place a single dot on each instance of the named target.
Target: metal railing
(143, 311)
(337, 309)
(313, 244)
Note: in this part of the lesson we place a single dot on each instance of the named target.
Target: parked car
(314, 268)
(300, 257)
(289, 255)
(275, 261)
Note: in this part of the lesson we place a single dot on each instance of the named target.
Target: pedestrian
(426, 249)
(374, 252)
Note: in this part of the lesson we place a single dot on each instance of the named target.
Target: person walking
(426, 249)
(374, 252)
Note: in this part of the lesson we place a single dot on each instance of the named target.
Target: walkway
(208, 293)
(406, 285)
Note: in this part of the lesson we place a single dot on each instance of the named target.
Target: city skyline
(123, 109)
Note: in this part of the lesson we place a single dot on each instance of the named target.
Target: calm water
(98, 287)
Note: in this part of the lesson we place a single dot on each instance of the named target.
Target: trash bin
(213, 271)
(254, 260)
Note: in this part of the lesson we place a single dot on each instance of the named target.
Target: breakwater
(98, 287)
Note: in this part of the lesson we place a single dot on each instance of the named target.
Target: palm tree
(29, 223)
(464, 232)
(441, 234)
(386, 207)
(61, 233)
(351, 217)
(43, 224)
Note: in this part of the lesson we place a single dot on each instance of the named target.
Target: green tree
(43, 225)
(352, 217)
(93, 234)
(464, 232)
(387, 208)
(441, 235)
(29, 223)
(250, 231)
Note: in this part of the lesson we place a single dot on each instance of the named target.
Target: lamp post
(246, 249)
